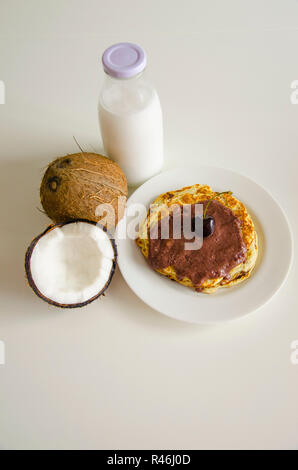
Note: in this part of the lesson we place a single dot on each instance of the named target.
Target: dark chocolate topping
(219, 254)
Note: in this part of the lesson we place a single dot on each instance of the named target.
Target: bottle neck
(119, 81)
(124, 95)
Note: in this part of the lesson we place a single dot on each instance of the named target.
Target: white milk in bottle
(130, 114)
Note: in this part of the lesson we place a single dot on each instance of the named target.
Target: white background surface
(117, 374)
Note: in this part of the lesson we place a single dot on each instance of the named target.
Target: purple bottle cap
(124, 60)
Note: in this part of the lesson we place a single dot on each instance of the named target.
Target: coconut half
(71, 264)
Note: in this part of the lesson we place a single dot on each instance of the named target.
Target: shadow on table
(138, 312)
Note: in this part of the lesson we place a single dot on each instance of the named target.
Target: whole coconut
(84, 186)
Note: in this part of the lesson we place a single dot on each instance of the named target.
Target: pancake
(163, 207)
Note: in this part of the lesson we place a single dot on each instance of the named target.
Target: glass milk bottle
(130, 114)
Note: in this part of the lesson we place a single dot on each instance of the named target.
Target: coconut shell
(84, 186)
(52, 302)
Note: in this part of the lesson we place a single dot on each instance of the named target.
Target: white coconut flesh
(72, 263)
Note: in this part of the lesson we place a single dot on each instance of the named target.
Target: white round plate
(182, 303)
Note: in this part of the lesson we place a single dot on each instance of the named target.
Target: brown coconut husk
(84, 186)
